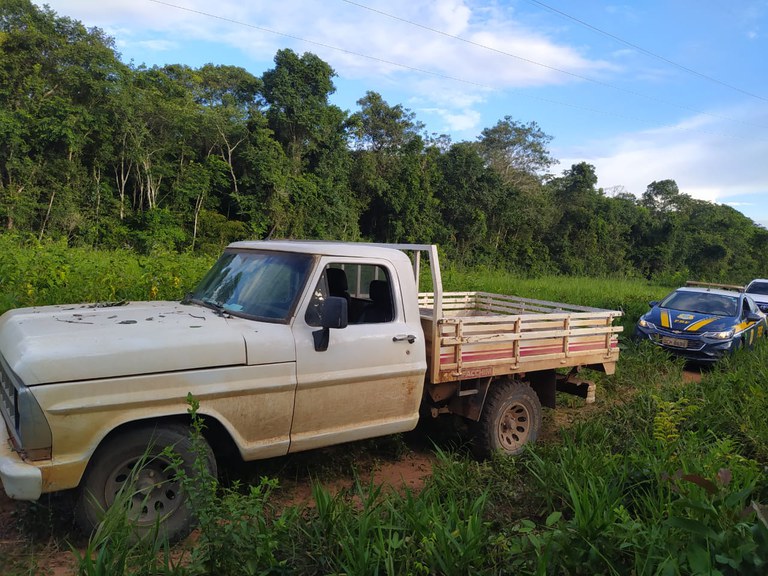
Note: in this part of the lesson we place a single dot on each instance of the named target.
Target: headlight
(643, 323)
(725, 335)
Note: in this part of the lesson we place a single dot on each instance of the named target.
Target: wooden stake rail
(487, 302)
(482, 334)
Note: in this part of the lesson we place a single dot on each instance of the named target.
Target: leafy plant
(239, 533)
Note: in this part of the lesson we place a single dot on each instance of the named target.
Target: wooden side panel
(483, 334)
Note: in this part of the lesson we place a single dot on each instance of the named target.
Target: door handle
(402, 337)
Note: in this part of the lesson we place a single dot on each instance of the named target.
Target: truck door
(369, 380)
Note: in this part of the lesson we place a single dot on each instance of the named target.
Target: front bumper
(697, 348)
(21, 481)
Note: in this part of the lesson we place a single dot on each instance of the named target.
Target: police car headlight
(724, 335)
(645, 324)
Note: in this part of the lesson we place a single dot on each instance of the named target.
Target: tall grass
(667, 482)
(631, 296)
(33, 274)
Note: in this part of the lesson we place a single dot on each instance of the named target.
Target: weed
(116, 548)
(239, 533)
(368, 531)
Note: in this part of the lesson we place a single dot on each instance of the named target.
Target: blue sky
(643, 90)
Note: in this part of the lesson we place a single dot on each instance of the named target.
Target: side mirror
(753, 317)
(334, 314)
(653, 303)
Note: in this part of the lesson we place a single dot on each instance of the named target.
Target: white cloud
(450, 16)
(455, 121)
(157, 45)
(705, 154)
(258, 29)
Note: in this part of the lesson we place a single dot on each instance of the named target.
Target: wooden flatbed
(478, 334)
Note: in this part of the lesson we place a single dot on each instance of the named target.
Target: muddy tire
(156, 495)
(511, 418)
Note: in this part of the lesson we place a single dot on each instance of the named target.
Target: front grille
(8, 397)
(30, 432)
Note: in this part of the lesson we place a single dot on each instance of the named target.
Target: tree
(516, 151)
(296, 91)
(379, 127)
(591, 236)
(313, 134)
(55, 78)
(663, 196)
(392, 172)
(468, 194)
(262, 198)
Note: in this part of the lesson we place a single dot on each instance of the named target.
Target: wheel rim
(514, 427)
(154, 491)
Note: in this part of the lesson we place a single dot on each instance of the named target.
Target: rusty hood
(68, 343)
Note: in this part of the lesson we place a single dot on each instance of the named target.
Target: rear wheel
(510, 419)
(133, 462)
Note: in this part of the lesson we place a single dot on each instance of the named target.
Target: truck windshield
(263, 285)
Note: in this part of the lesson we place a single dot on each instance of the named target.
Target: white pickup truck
(287, 346)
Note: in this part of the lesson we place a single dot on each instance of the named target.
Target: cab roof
(325, 248)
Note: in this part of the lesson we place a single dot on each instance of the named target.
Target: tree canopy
(108, 154)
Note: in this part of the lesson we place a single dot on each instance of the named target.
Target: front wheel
(132, 468)
(511, 418)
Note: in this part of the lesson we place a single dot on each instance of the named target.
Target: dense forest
(106, 154)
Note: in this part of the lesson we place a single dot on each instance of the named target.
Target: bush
(34, 274)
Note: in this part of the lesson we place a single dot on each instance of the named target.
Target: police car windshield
(702, 303)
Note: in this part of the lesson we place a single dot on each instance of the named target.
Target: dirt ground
(692, 375)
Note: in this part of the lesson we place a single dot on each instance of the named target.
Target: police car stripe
(700, 324)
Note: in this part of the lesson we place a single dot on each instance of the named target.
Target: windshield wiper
(214, 305)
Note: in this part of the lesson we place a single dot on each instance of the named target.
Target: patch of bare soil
(692, 375)
(409, 472)
(34, 538)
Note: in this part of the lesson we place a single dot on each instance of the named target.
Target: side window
(366, 287)
(750, 306)
(371, 299)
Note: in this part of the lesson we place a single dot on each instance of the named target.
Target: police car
(703, 322)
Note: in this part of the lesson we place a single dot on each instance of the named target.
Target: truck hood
(67, 343)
